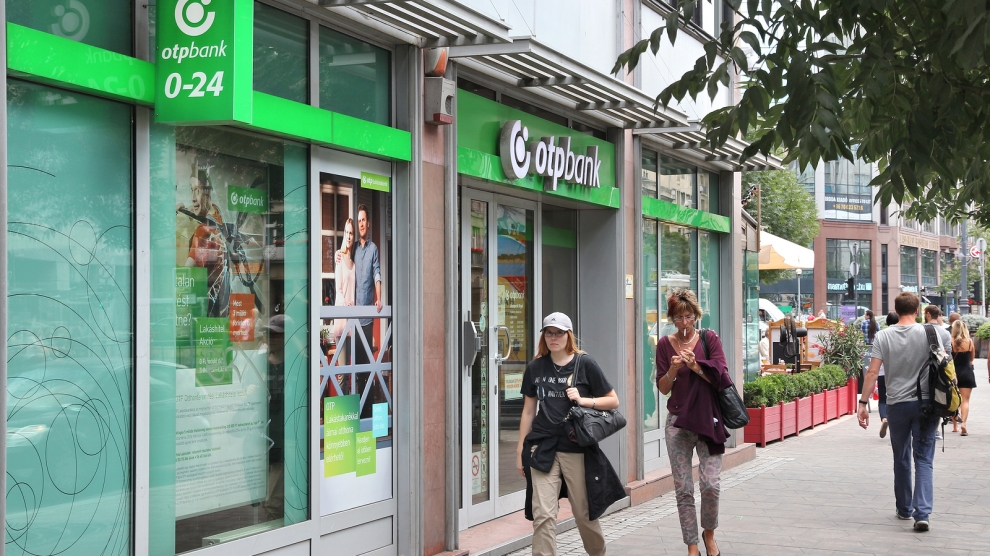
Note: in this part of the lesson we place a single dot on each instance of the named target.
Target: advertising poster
(355, 354)
(222, 380)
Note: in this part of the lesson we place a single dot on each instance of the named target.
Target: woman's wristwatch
(670, 380)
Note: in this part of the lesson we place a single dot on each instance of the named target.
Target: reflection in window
(354, 77)
(678, 182)
(928, 267)
(678, 261)
(649, 177)
(653, 403)
(848, 195)
(105, 24)
(708, 191)
(70, 367)
(281, 48)
(909, 267)
(230, 322)
(708, 294)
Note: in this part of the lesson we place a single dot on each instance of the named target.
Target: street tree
(787, 210)
(907, 81)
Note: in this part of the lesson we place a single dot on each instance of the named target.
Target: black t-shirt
(548, 385)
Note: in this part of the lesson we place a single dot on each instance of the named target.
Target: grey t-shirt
(904, 352)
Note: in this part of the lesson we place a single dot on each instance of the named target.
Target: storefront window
(708, 192)
(909, 269)
(357, 396)
(70, 367)
(678, 182)
(102, 23)
(709, 294)
(649, 177)
(840, 254)
(751, 322)
(678, 261)
(281, 53)
(652, 400)
(928, 267)
(230, 337)
(354, 77)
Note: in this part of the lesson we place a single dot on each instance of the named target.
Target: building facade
(882, 251)
(260, 302)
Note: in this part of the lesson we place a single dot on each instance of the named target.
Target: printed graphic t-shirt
(548, 385)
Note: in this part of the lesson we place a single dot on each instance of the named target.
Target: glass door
(497, 266)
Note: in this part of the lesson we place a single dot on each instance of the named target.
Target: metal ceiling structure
(436, 23)
(483, 44)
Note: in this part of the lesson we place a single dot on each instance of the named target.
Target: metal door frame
(496, 506)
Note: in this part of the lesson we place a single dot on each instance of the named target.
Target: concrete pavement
(828, 491)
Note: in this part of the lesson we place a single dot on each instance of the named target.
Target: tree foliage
(906, 80)
(787, 210)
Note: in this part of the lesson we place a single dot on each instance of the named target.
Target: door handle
(471, 343)
(508, 344)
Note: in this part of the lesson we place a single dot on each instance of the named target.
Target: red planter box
(777, 422)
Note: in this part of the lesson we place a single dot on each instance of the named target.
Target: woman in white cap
(554, 464)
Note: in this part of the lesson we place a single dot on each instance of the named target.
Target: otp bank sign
(192, 18)
(556, 162)
(204, 61)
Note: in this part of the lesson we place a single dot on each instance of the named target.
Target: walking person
(869, 328)
(561, 375)
(892, 319)
(692, 378)
(963, 353)
(903, 350)
(933, 316)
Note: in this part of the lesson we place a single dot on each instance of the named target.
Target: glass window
(708, 192)
(653, 404)
(678, 261)
(805, 177)
(105, 24)
(281, 48)
(708, 294)
(751, 308)
(354, 77)
(649, 177)
(909, 268)
(356, 375)
(838, 261)
(678, 182)
(848, 195)
(230, 329)
(71, 309)
(928, 267)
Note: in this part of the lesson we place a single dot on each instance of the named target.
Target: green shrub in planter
(983, 332)
(804, 385)
(974, 322)
(762, 391)
(835, 376)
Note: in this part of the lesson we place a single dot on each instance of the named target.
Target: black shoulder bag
(591, 426)
(734, 414)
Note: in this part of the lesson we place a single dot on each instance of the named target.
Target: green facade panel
(669, 212)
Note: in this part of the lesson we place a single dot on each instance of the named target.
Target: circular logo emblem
(233, 198)
(73, 20)
(192, 18)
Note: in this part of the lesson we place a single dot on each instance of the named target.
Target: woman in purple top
(692, 378)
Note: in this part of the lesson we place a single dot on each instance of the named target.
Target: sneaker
(921, 525)
(938, 434)
(883, 429)
(904, 517)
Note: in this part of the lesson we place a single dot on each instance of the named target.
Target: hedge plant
(772, 389)
(983, 332)
(973, 322)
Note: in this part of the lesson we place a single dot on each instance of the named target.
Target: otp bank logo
(192, 17)
(73, 20)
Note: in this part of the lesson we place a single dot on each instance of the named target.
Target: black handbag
(734, 414)
(591, 426)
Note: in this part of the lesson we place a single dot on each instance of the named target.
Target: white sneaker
(938, 434)
(921, 525)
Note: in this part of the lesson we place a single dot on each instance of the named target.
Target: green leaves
(908, 81)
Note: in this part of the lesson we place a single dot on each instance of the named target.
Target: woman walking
(554, 464)
(692, 373)
(870, 329)
(963, 353)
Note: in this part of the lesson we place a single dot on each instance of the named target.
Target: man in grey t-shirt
(903, 351)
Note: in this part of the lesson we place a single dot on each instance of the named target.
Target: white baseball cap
(557, 320)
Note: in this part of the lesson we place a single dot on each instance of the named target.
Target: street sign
(854, 268)
(981, 244)
(975, 252)
(204, 61)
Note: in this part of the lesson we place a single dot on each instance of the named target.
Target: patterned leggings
(680, 447)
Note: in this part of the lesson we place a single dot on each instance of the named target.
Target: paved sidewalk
(829, 491)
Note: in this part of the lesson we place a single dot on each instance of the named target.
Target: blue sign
(379, 419)
(952, 308)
